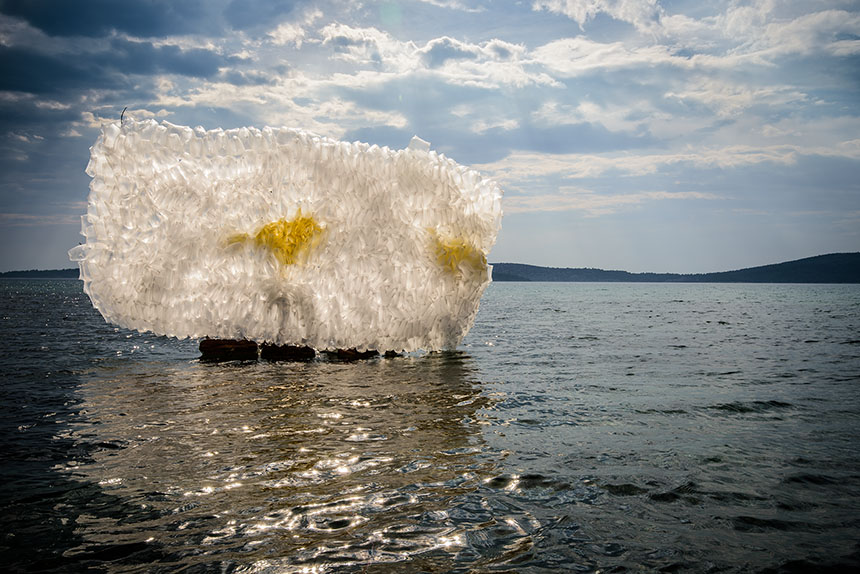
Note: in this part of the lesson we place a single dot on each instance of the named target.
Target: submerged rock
(228, 350)
(355, 355)
(286, 352)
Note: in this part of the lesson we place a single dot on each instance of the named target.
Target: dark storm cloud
(144, 58)
(96, 18)
(39, 73)
(36, 73)
(27, 115)
(251, 14)
(148, 18)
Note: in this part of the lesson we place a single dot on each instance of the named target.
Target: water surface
(580, 427)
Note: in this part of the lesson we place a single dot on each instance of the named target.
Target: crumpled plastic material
(281, 236)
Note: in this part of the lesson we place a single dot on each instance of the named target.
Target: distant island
(42, 274)
(832, 268)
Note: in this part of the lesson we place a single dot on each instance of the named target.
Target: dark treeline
(833, 268)
(42, 274)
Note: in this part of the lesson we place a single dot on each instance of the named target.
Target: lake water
(579, 428)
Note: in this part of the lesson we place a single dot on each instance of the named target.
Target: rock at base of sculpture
(286, 352)
(355, 355)
(228, 350)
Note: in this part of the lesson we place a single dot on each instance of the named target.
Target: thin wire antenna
(122, 114)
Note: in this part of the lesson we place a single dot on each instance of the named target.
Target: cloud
(98, 18)
(811, 33)
(486, 65)
(25, 219)
(152, 18)
(368, 45)
(525, 166)
(728, 98)
(454, 5)
(591, 203)
(141, 57)
(643, 14)
(441, 50)
(634, 117)
(571, 57)
(258, 14)
(743, 33)
(482, 126)
(111, 67)
(32, 72)
(294, 32)
(619, 98)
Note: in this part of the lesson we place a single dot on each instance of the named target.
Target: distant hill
(42, 274)
(833, 268)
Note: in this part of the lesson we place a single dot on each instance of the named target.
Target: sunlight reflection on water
(315, 463)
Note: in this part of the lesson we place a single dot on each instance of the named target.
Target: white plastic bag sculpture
(281, 236)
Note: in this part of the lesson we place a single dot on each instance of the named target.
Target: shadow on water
(42, 358)
(284, 465)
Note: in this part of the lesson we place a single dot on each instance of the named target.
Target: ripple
(756, 524)
(752, 407)
(539, 454)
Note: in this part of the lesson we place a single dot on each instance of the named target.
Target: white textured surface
(165, 201)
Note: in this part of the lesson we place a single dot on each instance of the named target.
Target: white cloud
(521, 167)
(592, 203)
(369, 46)
(809, 34)
(288, 33)
(275, 104)
(844, 48)
(482, 126)
(630, 117)
(52, 105)
(727, 98)
(489, 65)
(570, 57)
(744, 33)
(294, 33)
(643, 14)
(454, 5)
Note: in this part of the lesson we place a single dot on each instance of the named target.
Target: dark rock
(354, 355)
(228, 350)
(286, 352)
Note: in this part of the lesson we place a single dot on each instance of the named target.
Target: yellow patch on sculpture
(452, 253)
(286, 239)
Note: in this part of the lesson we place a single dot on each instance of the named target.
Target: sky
(654, 135)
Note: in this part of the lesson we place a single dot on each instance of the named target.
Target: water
(579, 428)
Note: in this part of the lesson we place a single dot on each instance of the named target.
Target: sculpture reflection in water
(289, 465)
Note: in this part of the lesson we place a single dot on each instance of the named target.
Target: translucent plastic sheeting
(281, 236)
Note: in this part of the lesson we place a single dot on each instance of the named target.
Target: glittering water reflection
(279, 466)
(668, 428)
